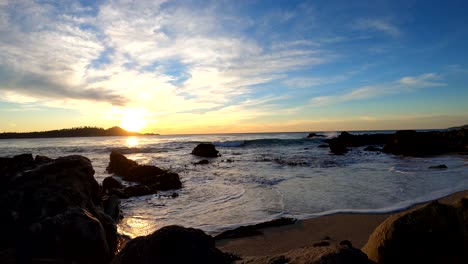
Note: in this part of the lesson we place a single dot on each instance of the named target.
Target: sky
(175, 67)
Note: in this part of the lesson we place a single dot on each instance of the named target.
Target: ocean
(259, 177)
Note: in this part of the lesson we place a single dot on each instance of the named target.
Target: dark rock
(441, 166)
(138, 190)
(205, 150)
(201, 162)
(53, 212)
(172, 245)
(11, 167)
(111, 205)
(253, 230)
(120, 165)
(42, 159)
(314, 135)
(435, 233)
(279, 260)
(412, 143)
(338, 147)
(372, 148)
(326, 238)
(152, 178)
(346, 243)
(323, 146)
(145, 174)
(111, 183)
(322, 244)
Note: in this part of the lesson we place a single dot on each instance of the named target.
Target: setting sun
(133, 120)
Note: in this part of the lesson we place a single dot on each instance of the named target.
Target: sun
(133, 120)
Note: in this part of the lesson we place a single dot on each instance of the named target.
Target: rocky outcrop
(440, 167)
(207, 150)
(314, 255)
(314, 135)
(172, 245)
(52, 211)
(151, 178)
(435, 233)
(405, 142)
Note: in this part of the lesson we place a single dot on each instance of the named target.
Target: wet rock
(201, 162)
(434, 233)
(53, 212)
(314, 135)
(111, 183)
(338, 148)
(412, 143)
(372, 148)
(120, 165)
(111, 206)
(138, 190)
(205, 150)
(441, 166)
(152, 178)
(172, 244)
(39, 159)
(313, 255)
(323, 146)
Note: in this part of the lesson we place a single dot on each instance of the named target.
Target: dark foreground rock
(253, 230)
(207, 150)
(52, 212)
(405, 142)
(314, 255)
(435, 233)
(173, 245)
(151, 178)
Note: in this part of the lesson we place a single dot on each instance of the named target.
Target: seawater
(259, 177)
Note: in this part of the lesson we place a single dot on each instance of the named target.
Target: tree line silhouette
(84, 131)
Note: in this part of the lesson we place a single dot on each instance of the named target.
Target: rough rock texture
(405, 142)
(151, 178)
(435, 233)
(172, 245)
(313, 255)
(120, 165)
(111, 183)
(205, 150)
(51, 210)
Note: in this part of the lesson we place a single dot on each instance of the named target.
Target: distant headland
(85, 131)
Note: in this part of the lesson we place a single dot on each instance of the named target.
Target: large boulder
(435, 233)
(342, 254)
(120, 165)
(172, 245)
(53, 212)
(151, 178)
(412, 143)
(205, 150)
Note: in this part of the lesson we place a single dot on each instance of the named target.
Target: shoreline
(332, 228)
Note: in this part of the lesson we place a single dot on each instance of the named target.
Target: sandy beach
(331, 228)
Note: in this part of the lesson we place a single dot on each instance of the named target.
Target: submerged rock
(172, 245)
(151, 178)
(253, 230)
(435, 233)
(53, 212)
(314, 135)
(205, 150)
(441, 166)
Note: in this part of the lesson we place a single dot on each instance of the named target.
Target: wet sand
(331, 228)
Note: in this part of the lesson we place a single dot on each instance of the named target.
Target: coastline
(355, 227)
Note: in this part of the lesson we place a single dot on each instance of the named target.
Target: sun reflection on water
(132, 142)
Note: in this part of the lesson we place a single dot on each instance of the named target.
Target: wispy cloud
(405, 84)
(377, 25)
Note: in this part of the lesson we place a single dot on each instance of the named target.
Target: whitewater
(259, 177)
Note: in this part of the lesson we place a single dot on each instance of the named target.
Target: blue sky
(233, 66)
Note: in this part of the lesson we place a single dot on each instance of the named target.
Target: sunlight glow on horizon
(133, 119)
